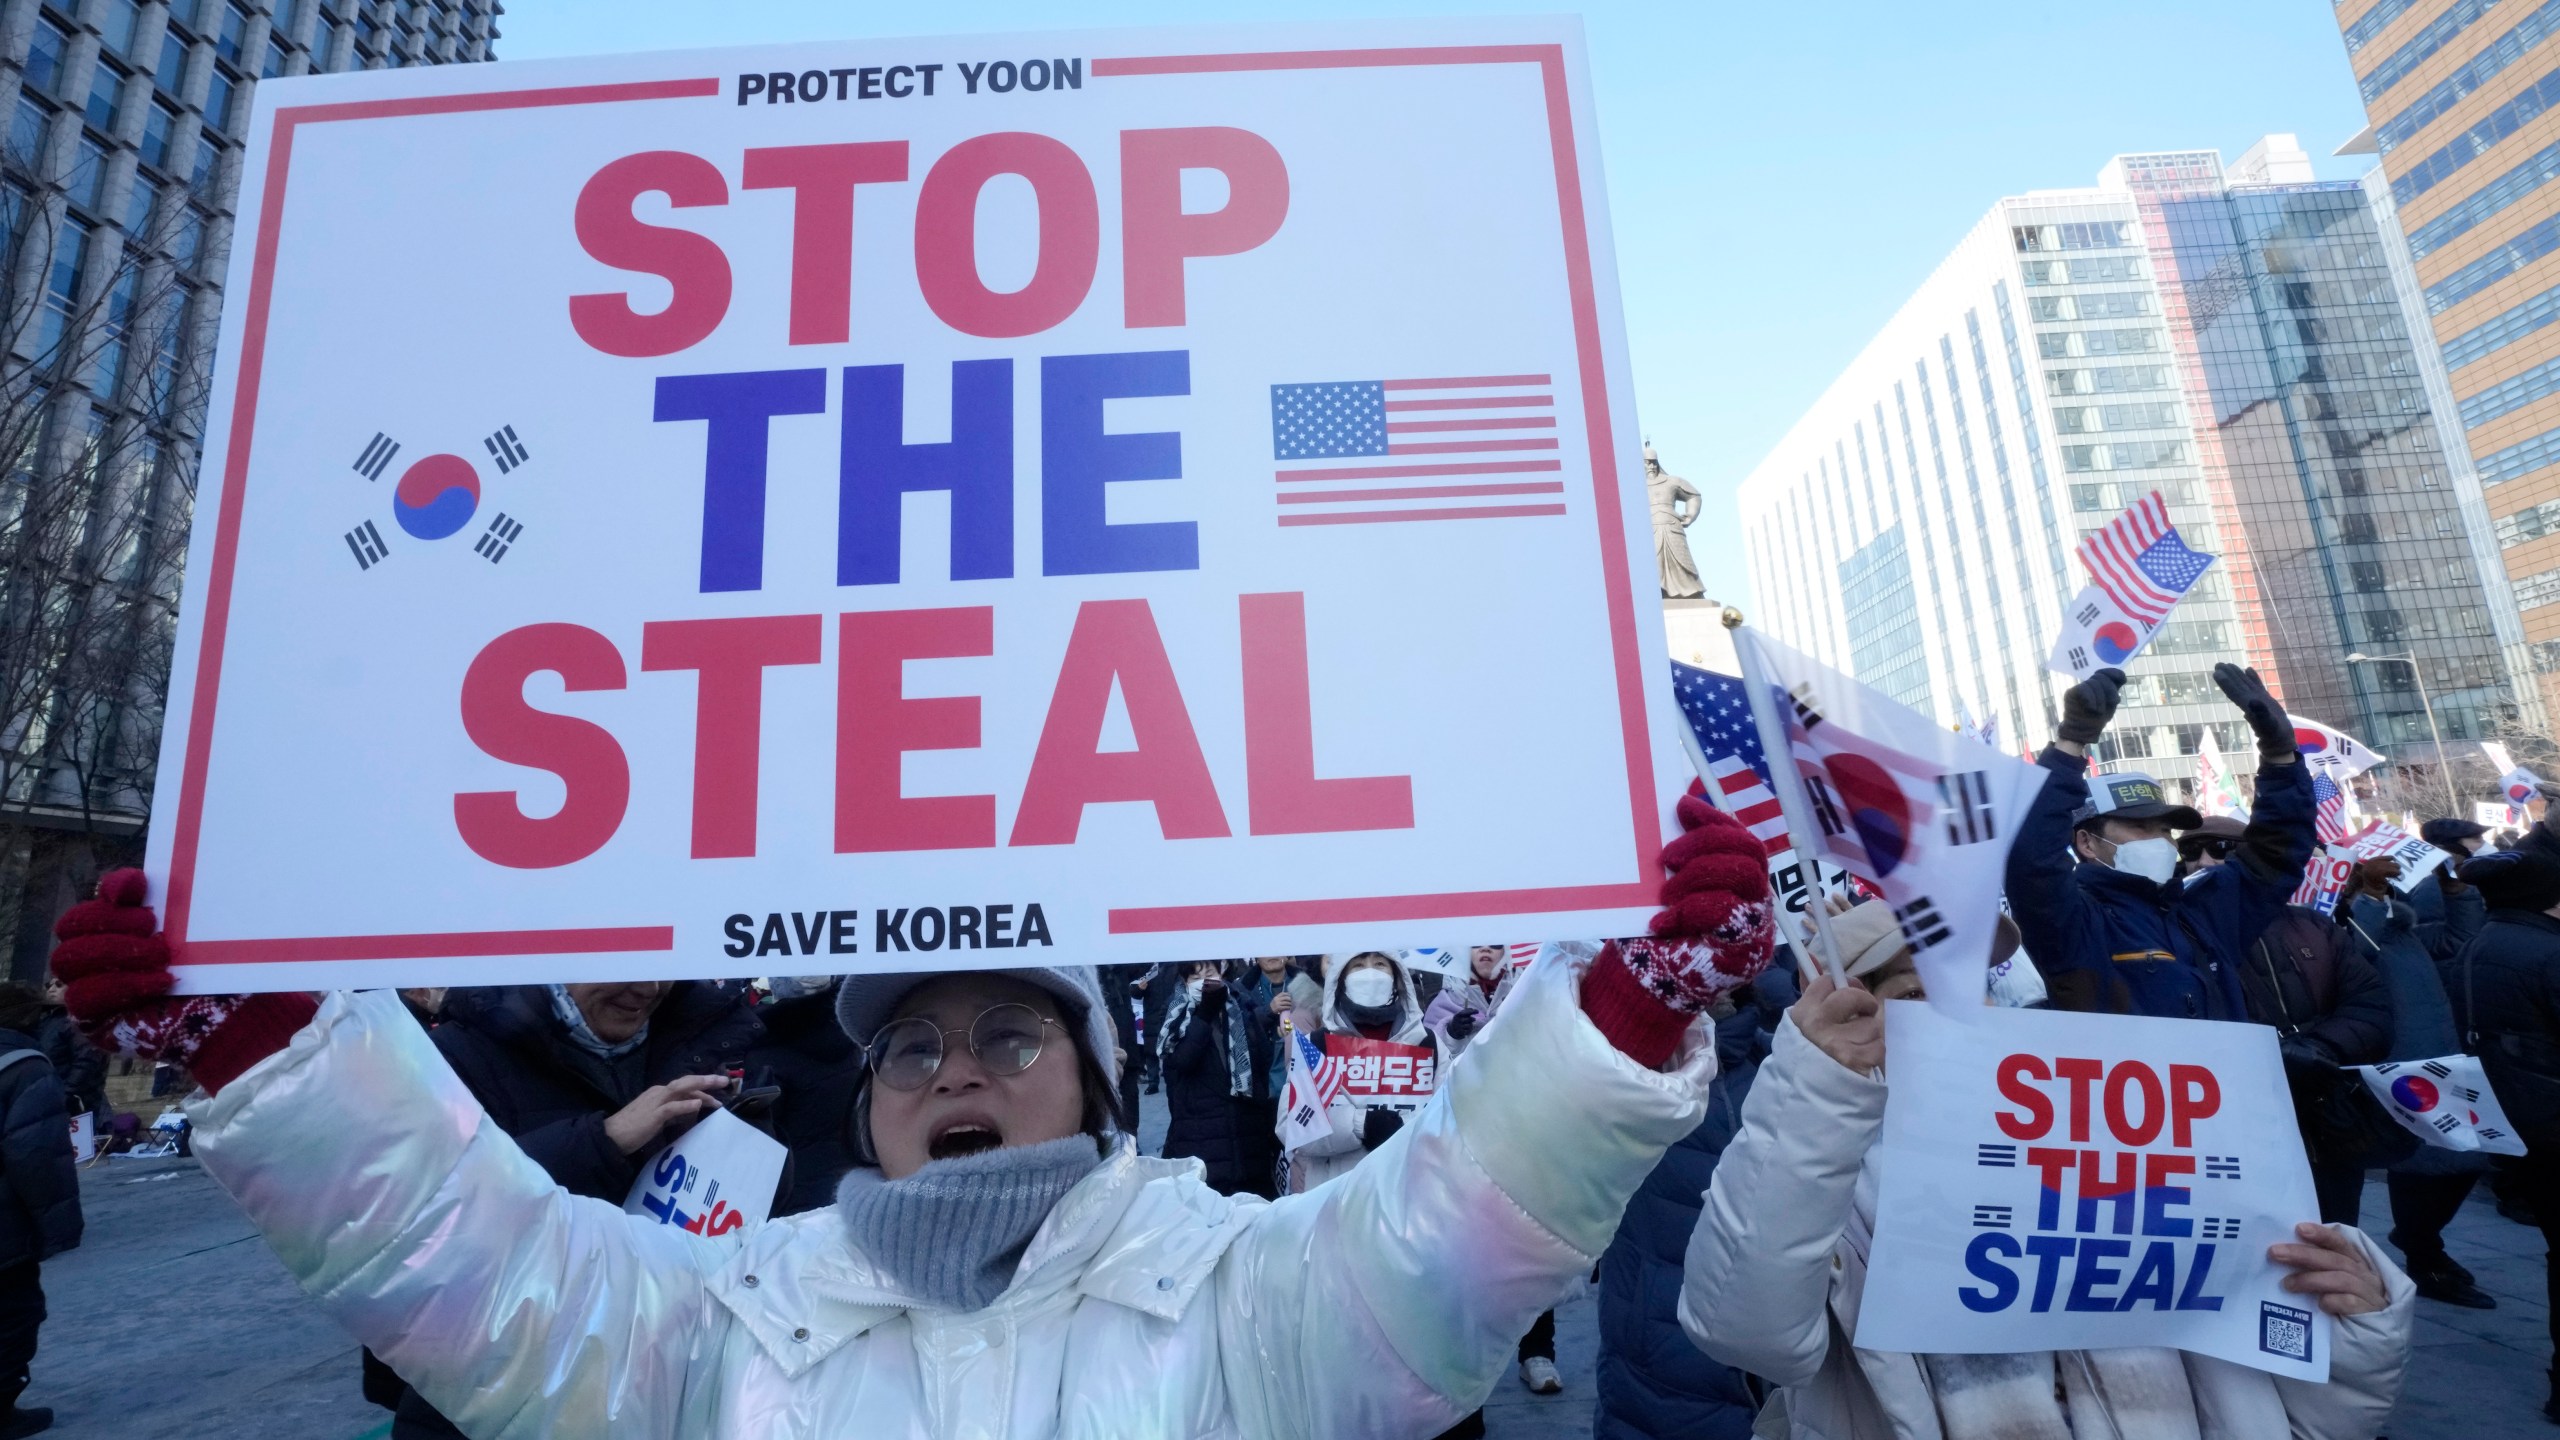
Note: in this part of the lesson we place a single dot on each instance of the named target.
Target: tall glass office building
(2464, 99)
(2236, 340)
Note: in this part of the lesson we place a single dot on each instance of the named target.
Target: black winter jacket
(2506, 1001)
(517, 1060)
(1654, 1381)
(81, 1066)
(515, 1057)
(819, 1069)
(1208, 1122)
(41, 1214)
(2305, 976)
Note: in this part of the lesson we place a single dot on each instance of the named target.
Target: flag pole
(1800, 831)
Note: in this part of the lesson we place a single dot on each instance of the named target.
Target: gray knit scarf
(583, 1035)
(952, 1233)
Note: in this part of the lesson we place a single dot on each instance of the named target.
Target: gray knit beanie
(864, 1003)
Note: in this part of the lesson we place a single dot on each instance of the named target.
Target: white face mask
(1368, 989)
(2154, 860)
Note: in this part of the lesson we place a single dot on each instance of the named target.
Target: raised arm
(1389, 1300)
(399, 1206)
(1756, 1291)
(2060, 931)
(2282, 832)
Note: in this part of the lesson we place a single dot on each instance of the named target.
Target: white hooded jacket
(1772, 1287)
(1148, 1307)
(1332, 1154)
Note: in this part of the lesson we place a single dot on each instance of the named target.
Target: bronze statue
(1675, 502)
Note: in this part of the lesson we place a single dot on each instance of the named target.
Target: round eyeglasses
(1006, 1038)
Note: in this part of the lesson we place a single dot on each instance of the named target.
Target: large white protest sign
(917, 503)
(2063, 1181)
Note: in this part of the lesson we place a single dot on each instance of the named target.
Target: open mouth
(968, 1137)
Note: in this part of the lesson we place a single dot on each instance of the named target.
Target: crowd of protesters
(961, 1188)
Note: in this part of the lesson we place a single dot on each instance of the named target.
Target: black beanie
(2515, 879)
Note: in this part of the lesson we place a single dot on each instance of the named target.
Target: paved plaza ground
(173, 1320)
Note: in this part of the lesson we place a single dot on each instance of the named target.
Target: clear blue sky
(1782, 175)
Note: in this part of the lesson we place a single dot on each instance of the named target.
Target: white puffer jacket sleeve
(1757, 1289)
(1401, 1289)
(428, 1235)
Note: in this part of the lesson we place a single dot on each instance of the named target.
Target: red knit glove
(1713, 936)
(114, 965)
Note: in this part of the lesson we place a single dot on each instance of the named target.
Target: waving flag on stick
(2334, 757)
(1724, 745)
(1924, 816)
(2139, 569)
(1314, 1079)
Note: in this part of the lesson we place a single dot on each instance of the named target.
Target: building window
(2534, 590)
(137, 209)
(88, 176)
(2090, 235)
(2531, 524)
(285, 11)
(172, 74)
(26, 134)
(324, 42)
(62, 287)
(45, 54)
(275, 62)
(108, 360)
(156, 125)
(187, 245)
(118, 26)
(227, 40)
(106, 88)
(217, 100)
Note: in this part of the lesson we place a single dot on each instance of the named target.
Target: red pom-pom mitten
(114, 966)
(1715, 933)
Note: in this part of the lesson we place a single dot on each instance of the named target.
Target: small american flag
(2141, 563)
(1479, 447)
(2329, 812)
(1524, 951)
(1719, 714)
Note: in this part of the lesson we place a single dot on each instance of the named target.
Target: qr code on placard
(2285, 1331)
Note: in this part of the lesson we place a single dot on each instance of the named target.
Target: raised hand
(115, 967)
(1844, 1022)
(2259, 706)
(2088, 707)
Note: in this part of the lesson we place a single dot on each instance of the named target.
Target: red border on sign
(177, 903)
(1645, 819)
(1645, 827)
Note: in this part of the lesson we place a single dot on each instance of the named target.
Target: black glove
(2307, 1063)
(1463, 1024)
(2265, 715)
(2088, 706)
(1380, 1127)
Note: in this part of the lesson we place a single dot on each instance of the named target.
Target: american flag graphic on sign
(1480, 447)
(2141, 563)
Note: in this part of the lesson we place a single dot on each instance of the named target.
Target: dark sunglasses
(1006, 1038)
(2218, 847)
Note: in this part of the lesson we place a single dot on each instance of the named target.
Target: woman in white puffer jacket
(1011, 1268)
(1777, 1266)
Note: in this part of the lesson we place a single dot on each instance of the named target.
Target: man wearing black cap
(2449, 912)
(2092, 879)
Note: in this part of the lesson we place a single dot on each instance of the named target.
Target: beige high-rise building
(2464, 100)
